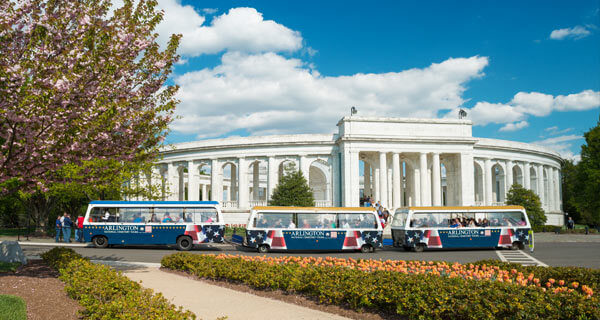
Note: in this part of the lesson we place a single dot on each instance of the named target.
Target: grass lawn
(8, 267)
(12, 308)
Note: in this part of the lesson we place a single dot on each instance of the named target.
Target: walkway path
(210, 302)
(519, 256)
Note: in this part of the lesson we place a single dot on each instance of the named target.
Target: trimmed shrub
(407, 295)
(590, 277)
(108, 294)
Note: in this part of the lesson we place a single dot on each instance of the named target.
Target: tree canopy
(80, 87)
(587, 184)
(292, 190)
(517, 195)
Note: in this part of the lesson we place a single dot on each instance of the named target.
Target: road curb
(114, 263)
(50, 244)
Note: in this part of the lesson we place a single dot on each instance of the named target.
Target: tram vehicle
(180, 223)
(420, 228)
(310, 228)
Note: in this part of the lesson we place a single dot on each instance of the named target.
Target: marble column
(526, 175)
(272, 177)
(243, 186)
(350, 174)
(416, 179)
(256, 181)
(467, 179)
(383, 184)
(437, 180)
(173, 176)
(396, 177)
(367, 180)
(509, 176)
(204, 192)
(216, 188)
(487, 175)
(540, 180)
(193, 182)
(376, 188)
(305, 167)
(557, 204)
(424, 186)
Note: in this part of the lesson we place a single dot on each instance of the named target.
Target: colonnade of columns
(493, 182)
(414, 179)
(246, 186)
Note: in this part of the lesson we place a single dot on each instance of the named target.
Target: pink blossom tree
(80, 87)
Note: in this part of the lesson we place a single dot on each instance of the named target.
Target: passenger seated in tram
(262, 222)
(506, 222)
(138, 218)
(167, 218)
(522, 222)
(291, 224)
(305, 224)
(278, 223)
(153, 218)
(456, 224)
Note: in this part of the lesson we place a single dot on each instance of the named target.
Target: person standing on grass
(67, 225)
(58, 228)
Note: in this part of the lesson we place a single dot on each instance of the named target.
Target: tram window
(356, 221)
(275, 220)
(205, 215)
(317, 220)
(129, 214)
(104, 215)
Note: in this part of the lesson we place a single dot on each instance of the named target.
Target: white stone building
(399, 161)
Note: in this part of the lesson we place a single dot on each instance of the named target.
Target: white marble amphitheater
(399, 161)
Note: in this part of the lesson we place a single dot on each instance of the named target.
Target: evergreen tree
(517, 195)
(587, 198)
(292, 190)
(569, 178)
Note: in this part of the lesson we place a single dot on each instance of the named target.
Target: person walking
(67, 225)
(58, 228)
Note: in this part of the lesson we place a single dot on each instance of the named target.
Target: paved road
(553, 254)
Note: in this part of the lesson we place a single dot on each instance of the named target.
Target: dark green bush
(106, 293)
(406, 295)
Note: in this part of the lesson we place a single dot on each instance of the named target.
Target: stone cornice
(403, 120)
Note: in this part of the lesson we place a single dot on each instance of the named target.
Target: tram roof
(362, 209)
(464, 208)
(153, 202)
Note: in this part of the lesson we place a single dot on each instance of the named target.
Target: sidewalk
(210, 302)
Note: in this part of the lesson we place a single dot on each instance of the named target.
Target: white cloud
(514, 126)
(562, 145)
(240, 29)
(525, 104)
(576, 33)
(269, 94)
(554, 130)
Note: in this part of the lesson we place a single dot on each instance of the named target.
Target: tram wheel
(263, 248)
(184, 243)
(366, 248)
(419, 248)
(100, 242)
(516, 246)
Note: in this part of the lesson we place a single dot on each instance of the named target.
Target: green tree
(587, 198)
(517, 195)
(292, 190)
(569, 178)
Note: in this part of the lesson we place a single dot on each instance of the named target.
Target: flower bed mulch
(41, 289)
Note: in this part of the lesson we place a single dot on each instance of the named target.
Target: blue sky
(524, 70)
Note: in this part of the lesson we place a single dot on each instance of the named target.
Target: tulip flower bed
(401, 288)
(107, 294)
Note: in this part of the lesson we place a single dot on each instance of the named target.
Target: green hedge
(587, 276)
(106, 293)
(409, 296)
(549, 228)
